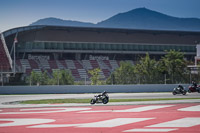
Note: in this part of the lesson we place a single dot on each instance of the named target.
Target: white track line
(52, 110)
(24, 121)
(192, 108)
(138, 109)
(185, 122)
(149, 130)
(114, 122)
(95, 111)
(103, 124)
(53, 125)
(145, 108)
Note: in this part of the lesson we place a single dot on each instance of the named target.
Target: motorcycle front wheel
(174, 93)
(105, 101)
(93, 101)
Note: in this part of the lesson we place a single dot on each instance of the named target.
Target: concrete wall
(64, 89)
(198, 50)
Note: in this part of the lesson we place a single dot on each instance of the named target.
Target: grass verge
(55, 101)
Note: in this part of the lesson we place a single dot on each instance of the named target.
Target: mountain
(140, 18)
(143, 18)
(60, 22)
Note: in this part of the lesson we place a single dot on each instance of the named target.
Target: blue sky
(16, 13)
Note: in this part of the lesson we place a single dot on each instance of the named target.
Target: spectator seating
(61, 64)
(77, 64)
(83, 73)
(53, 64)
(33, 64)
(70, 64)
(114, 64)
(5, 59)
(94, 64)
(75, 73)
(78, 68)
(86, 64)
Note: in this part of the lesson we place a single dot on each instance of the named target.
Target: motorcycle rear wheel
(93, 101)
(184, 92)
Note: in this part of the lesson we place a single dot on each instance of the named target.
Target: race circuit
(162, 118)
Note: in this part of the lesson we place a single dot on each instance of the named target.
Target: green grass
(55, 101)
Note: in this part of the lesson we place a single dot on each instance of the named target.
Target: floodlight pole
(112, 78)
(30, 80)
(14, 58)
(58, 82)
(15, 41)
(1, 77)
(85, 79)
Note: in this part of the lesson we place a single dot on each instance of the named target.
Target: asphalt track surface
(140, 117)
(5, 100)
(172, 118)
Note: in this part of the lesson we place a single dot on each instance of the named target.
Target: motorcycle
(101, 98)
(179, 90)
(194, 89)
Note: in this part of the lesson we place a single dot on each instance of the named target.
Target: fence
(67, 89)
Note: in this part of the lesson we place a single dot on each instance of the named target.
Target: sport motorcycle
(101, 98)
(179, 90)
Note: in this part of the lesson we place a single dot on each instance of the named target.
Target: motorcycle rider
(181, 88)
(103, 93)
(194, 85)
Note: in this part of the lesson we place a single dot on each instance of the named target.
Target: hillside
(60, 22)
(140, 18)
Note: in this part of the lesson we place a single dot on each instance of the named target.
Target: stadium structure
(79, 49)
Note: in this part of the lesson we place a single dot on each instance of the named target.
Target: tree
(56, 79)
(147, 70)
(111, 79)
(45, 78)
(66, 78)
(123, 75)
(95, 76)
(61, 77)
(174, 65)
(35, 78)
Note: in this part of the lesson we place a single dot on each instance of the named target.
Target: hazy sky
(16, 13)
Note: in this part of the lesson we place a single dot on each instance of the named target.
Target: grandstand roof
(44, 33)
(28, 28)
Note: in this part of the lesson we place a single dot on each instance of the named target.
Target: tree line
(58, 77)
(170, 69)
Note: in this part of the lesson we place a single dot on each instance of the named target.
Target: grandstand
(5, 59)
(196, 67)
(80, 49)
